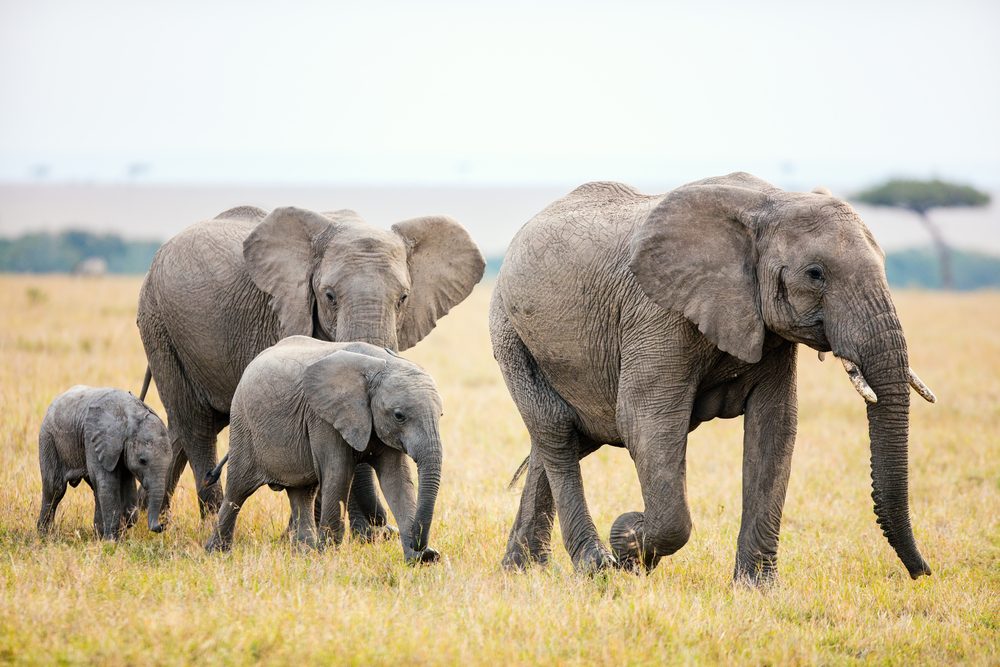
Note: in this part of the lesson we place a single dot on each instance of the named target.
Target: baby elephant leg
(335, 486)
(302, 500)
(108, 503)
(238, 489)
(53, 490)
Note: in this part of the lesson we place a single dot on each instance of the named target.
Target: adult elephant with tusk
(626, 319)
(223, 290)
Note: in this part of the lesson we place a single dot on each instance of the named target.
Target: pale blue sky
(439, 92)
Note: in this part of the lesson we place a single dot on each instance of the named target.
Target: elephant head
(333, 277)
(134, 431)
(740, 257)
(355, 391)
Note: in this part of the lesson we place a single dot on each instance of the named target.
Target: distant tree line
(44, 252)
(62, 252)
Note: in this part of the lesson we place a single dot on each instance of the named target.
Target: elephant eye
(814, 273)
(402, 300)
(143, 460)
(398, 416)
(331, 297)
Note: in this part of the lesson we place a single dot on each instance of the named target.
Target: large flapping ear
(696, 254)
(336, 388)
(280, 258)
(104, 430)
(445, 265)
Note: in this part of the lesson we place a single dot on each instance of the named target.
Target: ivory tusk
(859, 382)
(922, 389)
(821, 356)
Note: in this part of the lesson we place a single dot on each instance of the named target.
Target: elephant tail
(519, 472)
(215, 473)
(145, 383)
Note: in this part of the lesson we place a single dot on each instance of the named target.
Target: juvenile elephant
(626, 319)
(223, 290)
(302, 417)
(107, 438)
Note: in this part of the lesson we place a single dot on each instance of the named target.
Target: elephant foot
(594, 558)
(216, 544)
(627, 544)
(366, 532)
(424, 557)
(520, 556)
(210, 499)
(759, 571)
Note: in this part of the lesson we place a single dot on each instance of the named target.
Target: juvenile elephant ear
(336, 389)
(280, 258)
(444, 264)
(696, 254)
(104, 430)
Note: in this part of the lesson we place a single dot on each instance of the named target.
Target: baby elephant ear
(336, 388)
(104, 433)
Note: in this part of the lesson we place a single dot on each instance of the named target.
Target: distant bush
(59, 253)
(918, 267)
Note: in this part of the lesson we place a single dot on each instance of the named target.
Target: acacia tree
(920, 197)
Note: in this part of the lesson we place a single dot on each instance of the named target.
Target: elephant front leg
(531, 536)
(130, 500)
(769, 427)
(397, 483)
(108, 503)
(367, 515)
(335, 486)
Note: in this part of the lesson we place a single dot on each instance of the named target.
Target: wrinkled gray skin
(109, 439)
(626, 319)
(223, 290)
(302, 418)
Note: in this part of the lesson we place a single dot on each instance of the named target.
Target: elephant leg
(531, 536)
(303, 499)
(240, 485)
(53, 490)
(769, 425)
(193, 438)
(397, 482)
(108, 498)
(53, 479)
(335, 487)
(367, 515)
(551, 423)
(130, 500)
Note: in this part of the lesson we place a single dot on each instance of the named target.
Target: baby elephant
(108, 438)
(302, 418)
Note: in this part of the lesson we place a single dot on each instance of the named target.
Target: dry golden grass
(843, 596)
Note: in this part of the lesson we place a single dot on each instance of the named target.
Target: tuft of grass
(843, 597)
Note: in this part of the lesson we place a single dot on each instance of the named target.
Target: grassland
(843, 597)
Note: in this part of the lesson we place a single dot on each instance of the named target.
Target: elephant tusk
(821, 356)
(922, 389)
(859, 382)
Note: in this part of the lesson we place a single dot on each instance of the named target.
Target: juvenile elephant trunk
(429, 479)
(155, 495)
(882, 358)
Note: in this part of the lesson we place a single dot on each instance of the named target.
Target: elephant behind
(628, 319)
(225, 289)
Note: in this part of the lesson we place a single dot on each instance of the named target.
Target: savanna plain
(842, 597)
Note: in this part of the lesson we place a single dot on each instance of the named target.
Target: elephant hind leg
(240, 485)
(554, 475)
(53, 490)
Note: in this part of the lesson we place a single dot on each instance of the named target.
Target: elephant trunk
(368, 320)
(156, 493)
(880, 352)
(429, 480)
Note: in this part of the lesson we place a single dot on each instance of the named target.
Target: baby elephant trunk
(155, 494)
(429, 479)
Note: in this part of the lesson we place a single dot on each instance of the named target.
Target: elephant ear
(104, 432)
(696, 254)
(444, 264)
(280, 257)
(336, 389)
